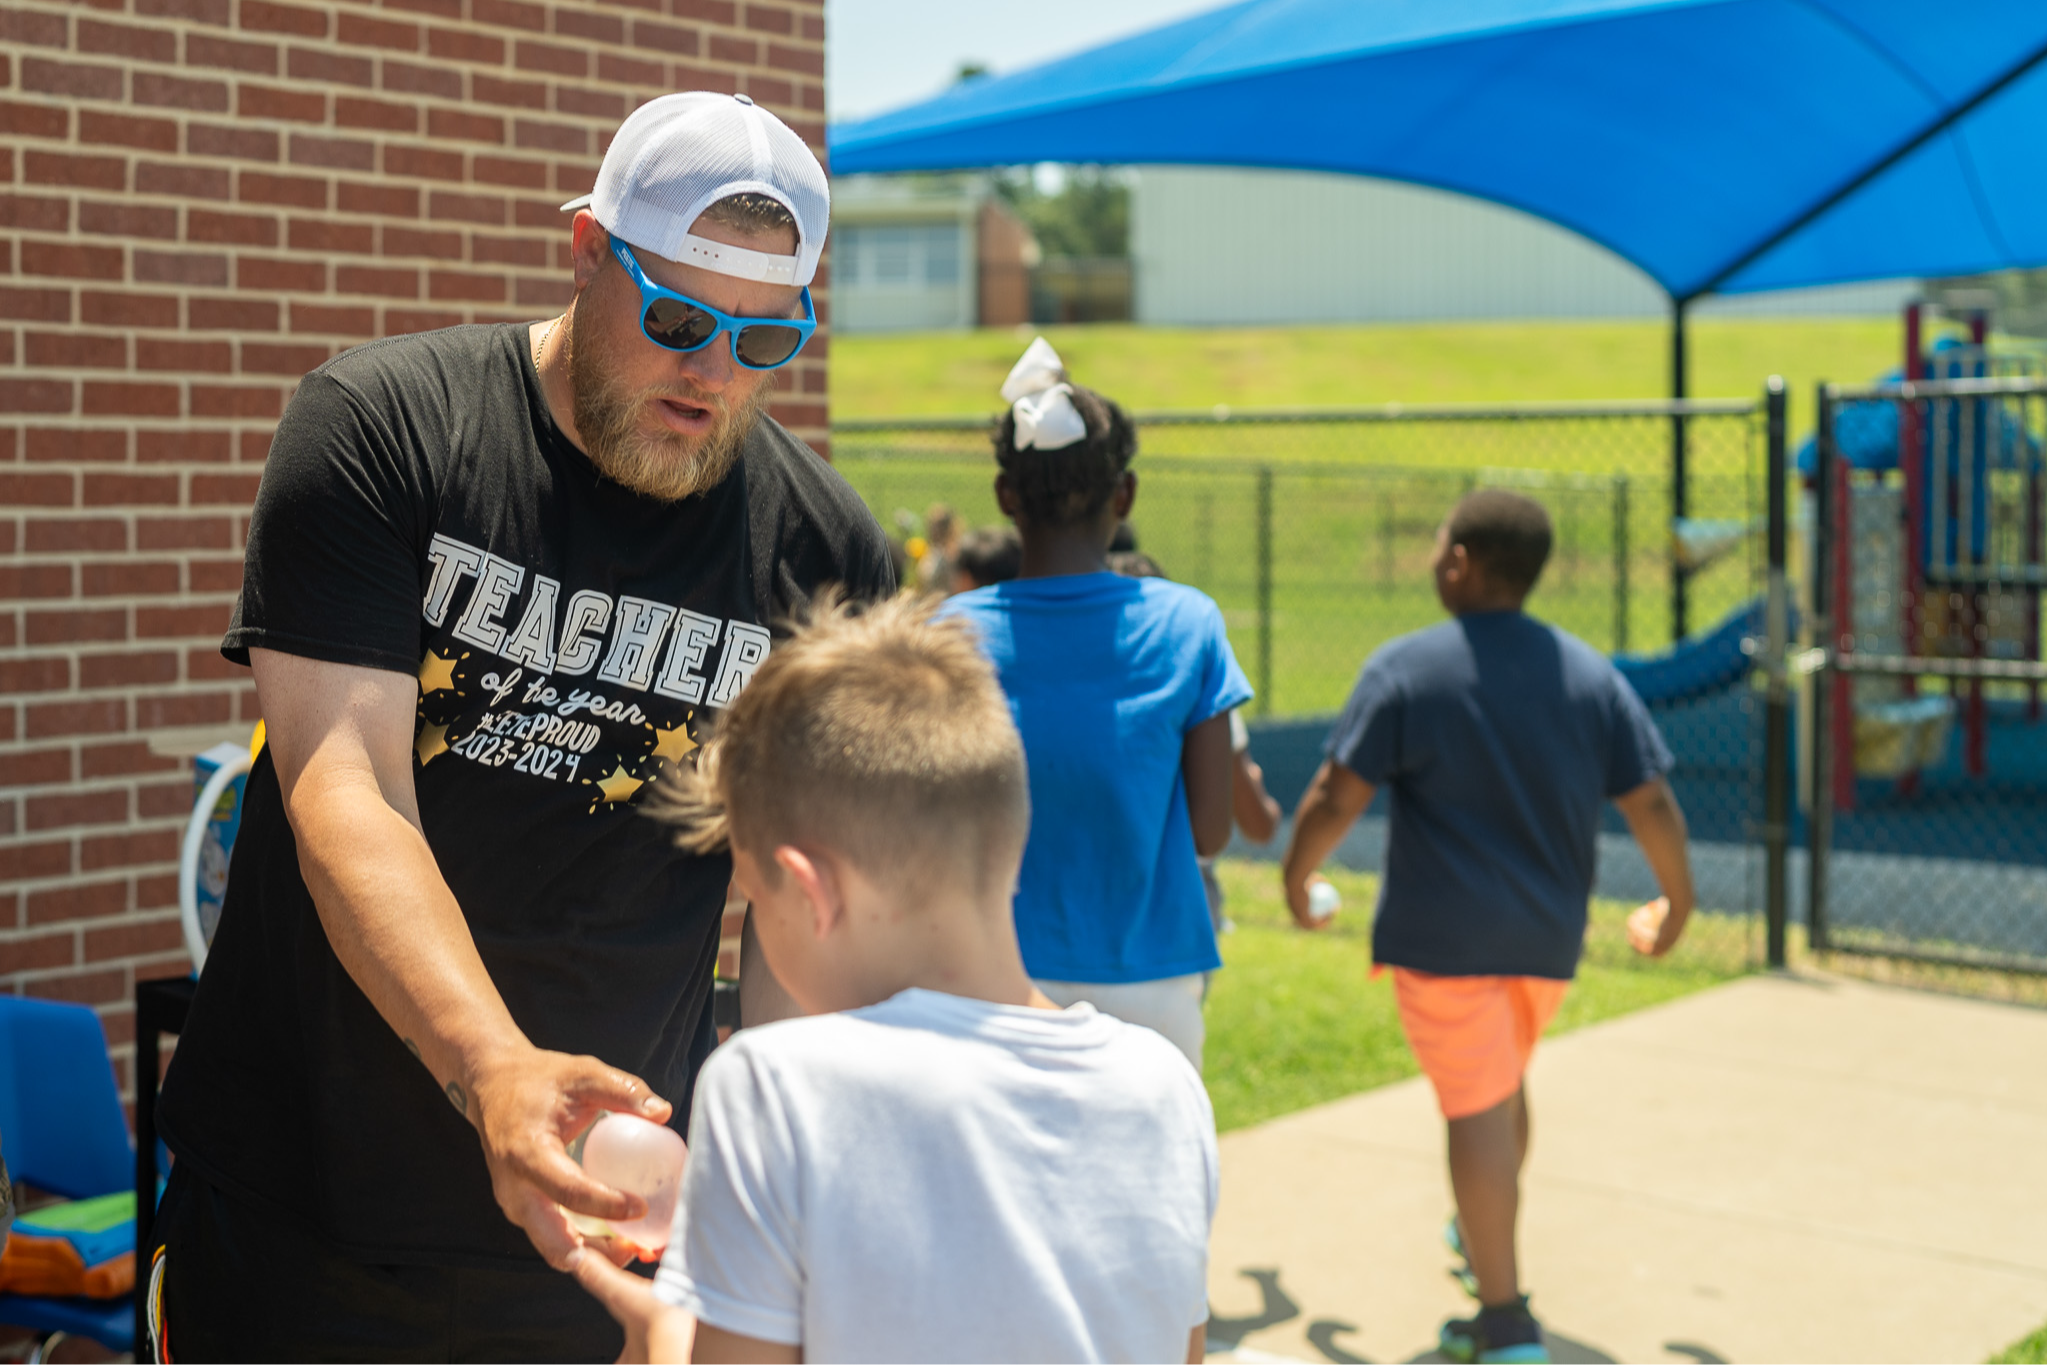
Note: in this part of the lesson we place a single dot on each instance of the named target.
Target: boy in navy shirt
(1499, 738)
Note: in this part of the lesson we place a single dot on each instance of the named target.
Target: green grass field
(1350, 552)
(1294, 1019)
(1354, 506)
(899, 374)
(2031, 1350)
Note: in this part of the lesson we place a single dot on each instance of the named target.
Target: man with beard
(500, 580)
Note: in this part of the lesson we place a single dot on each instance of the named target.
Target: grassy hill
(932, 373)
(1353, 507)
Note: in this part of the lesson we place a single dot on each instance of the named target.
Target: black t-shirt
(421, 512)
(1498, 738)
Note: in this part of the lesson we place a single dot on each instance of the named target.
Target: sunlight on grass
(2030, 1351)
(955, 373)
(1295, 1019)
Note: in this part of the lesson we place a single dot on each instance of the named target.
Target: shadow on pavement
(1278, 1307)
(1703, 1354)
(1322, 1336)
(1562, 1350)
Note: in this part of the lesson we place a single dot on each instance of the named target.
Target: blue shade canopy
(1720, 145)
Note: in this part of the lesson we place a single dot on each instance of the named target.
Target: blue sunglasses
(680, 323)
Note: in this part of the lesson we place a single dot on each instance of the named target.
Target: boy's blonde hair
(877, 733)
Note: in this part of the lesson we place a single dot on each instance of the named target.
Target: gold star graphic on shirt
(436, 674)
(674, 743)
(619, 785)
(431, 744)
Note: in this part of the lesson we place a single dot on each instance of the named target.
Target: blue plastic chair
(63, 1131)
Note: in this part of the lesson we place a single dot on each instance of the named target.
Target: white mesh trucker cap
(676, 156)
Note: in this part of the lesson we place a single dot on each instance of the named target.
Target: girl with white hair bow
(1122, 689)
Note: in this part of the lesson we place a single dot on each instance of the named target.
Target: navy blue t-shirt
(1497, 738)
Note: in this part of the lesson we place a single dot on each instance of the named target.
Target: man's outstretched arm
(341, 737)
(1332, 803)
(1658, 824)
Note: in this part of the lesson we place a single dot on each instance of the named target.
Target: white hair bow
(1041, 401)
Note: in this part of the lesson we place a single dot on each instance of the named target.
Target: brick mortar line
(702, 60)
(75, 747)
(177, 690)
(466, 24)
(127, 692)
(186, 119)
(109, 873)
(97, 694)
(142, 824)
(155, 868)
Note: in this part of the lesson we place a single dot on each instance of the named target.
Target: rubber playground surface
(1782, 1168)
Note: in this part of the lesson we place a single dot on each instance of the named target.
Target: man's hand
(1652, 929)
(527, 1106)
(654, 1331)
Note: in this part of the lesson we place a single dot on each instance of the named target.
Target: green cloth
(99, 1214)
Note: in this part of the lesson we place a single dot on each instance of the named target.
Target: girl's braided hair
(1067, 487)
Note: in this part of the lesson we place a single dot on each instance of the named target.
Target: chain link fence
(1313, 532)
(1927, 759)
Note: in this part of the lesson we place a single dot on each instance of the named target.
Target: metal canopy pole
(1678, 501)
(1777, 704)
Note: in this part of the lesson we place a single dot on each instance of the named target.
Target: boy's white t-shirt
(939, 1178)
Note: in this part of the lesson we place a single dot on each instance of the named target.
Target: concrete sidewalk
(1783, 1168)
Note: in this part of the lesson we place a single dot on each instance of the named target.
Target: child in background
(949, 1167)
(941, 546)
(1122, 689)
(987, 555)
(1499, 738)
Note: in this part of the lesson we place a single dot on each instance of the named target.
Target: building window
(941, 255)
(900, 255)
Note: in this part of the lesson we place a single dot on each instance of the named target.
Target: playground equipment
(1925, 580)
(1936, 547)
(218, 775)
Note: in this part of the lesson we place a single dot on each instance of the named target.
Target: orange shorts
(1474, 1035)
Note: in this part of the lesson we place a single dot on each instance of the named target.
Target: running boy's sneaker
(1466, 1277)
(1508, 1334)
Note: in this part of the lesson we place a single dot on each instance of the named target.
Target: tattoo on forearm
(413, 1048)
(458, 1099)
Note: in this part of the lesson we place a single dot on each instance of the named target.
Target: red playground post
(1976, 719)
(1911, 436)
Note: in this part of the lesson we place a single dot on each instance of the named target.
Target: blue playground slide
(1697, 667)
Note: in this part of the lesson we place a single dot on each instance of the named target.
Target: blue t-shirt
(1105, 676)
(1498, 738)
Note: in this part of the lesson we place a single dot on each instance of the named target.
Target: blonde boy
(937, 1164)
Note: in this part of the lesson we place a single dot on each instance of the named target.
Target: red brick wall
(199, 201)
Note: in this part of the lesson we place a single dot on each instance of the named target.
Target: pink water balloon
(641, 1158)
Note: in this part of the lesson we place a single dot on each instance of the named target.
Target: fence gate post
(1820, 822)
(1620, 563)
(1265, 590)
(1777, 706)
